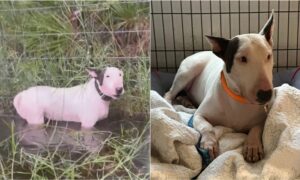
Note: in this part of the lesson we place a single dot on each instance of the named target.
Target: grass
(113, 161)
(42, 45)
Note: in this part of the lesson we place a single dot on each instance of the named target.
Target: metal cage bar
(179, 27)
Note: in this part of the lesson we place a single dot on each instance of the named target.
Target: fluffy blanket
(174, 155)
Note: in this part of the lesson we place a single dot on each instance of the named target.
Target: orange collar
(230, 92)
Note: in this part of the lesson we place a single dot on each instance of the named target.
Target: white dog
(231, 85)
(86, 103)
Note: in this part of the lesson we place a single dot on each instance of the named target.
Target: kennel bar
(178, 28)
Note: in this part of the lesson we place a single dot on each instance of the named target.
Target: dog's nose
(264, 96)
(119, 90)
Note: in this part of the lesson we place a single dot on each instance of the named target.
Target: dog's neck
(102, 95)
(230, 87)
(233, 91)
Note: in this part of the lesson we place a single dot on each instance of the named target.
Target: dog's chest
(239, 119)
(222, 110)
(243, 117)
(217, 106)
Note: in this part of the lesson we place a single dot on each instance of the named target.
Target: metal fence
(178, 28)
(51, 43)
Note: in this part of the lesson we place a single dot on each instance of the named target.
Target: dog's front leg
(253, 148)
(209, 140)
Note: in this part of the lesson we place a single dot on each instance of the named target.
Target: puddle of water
(69, 137)
(36, 139)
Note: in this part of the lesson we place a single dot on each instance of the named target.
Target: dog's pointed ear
(267, 30)
(92, 72)
(218, 45)
(224, 49)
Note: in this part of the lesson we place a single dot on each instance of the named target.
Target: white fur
(80, 103)
(199, 75)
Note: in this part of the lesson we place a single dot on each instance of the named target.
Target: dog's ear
(218, 45)
(267, 30)
(224, 49)
(92, 72)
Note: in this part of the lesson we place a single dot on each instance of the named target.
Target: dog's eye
(120, 74)
(107, 76)
(269, 56)
(244, 59)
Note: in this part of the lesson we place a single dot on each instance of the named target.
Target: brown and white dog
(232, 84)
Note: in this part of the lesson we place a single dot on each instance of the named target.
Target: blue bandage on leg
(203, 152)
(191, 121)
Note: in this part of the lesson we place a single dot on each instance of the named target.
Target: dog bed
(162, 81)
(174, 155)
(290, 76)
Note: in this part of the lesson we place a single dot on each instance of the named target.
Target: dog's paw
(168, 97)
(253, 150)
(210, 142)
(183, 100)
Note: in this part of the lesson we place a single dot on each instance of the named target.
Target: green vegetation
(50, 43)
(115, 160)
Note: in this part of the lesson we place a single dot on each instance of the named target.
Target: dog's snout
(264, 96)
(119, 90)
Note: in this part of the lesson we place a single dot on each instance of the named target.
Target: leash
(203, 152)
(102, 95)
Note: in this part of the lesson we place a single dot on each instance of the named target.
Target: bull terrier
(232, 86)
(86, 103)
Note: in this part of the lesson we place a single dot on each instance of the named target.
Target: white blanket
(174, 155)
